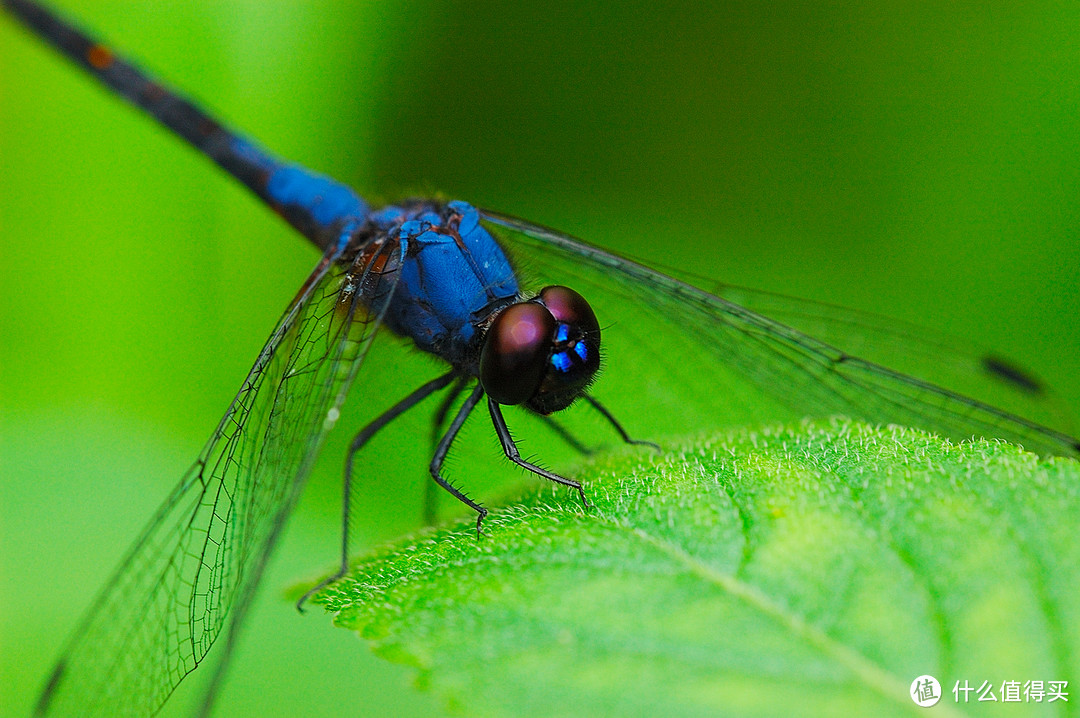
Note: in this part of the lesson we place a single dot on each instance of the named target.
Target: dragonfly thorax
(447, 274)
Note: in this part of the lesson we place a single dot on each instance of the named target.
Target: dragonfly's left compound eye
(515, 352)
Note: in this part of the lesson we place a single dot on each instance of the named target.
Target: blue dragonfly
(489, 295)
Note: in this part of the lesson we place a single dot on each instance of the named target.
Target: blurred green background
(911, 159)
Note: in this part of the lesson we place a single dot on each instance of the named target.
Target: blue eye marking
(561, 362)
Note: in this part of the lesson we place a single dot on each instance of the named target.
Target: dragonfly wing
(968, 370)
(196, 565)
(703, 361)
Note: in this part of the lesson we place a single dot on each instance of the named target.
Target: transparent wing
(965, 369)
(195, 567)
(698, 360)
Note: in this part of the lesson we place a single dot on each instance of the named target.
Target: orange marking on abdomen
(100, 57)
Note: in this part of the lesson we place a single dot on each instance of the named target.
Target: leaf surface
(812, 570)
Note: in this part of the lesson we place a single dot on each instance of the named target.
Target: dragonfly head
(543, 352)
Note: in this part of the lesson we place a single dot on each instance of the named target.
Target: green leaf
(809, 571)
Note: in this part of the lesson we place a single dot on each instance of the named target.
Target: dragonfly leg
(444, 447)
(565, 435)
(431, 491)
(511, 451)
(616, 425)
(358, 442)
(444, 409)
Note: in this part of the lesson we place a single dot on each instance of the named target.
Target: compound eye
(569, 307)
(516, 351)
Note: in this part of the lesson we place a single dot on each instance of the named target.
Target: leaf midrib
(869, 673)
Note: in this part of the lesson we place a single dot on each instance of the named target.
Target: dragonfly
(515, 313)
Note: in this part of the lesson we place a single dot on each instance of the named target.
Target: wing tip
(45, 700)
(1013, 375)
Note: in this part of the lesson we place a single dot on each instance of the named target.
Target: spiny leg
(444, 447)
(563, 433)
(616, 425)
(431, 489)
(512, 453)
(358, 442)
(444, 408)
(572, 441)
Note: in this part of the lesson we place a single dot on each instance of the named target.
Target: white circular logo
(925, 691)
